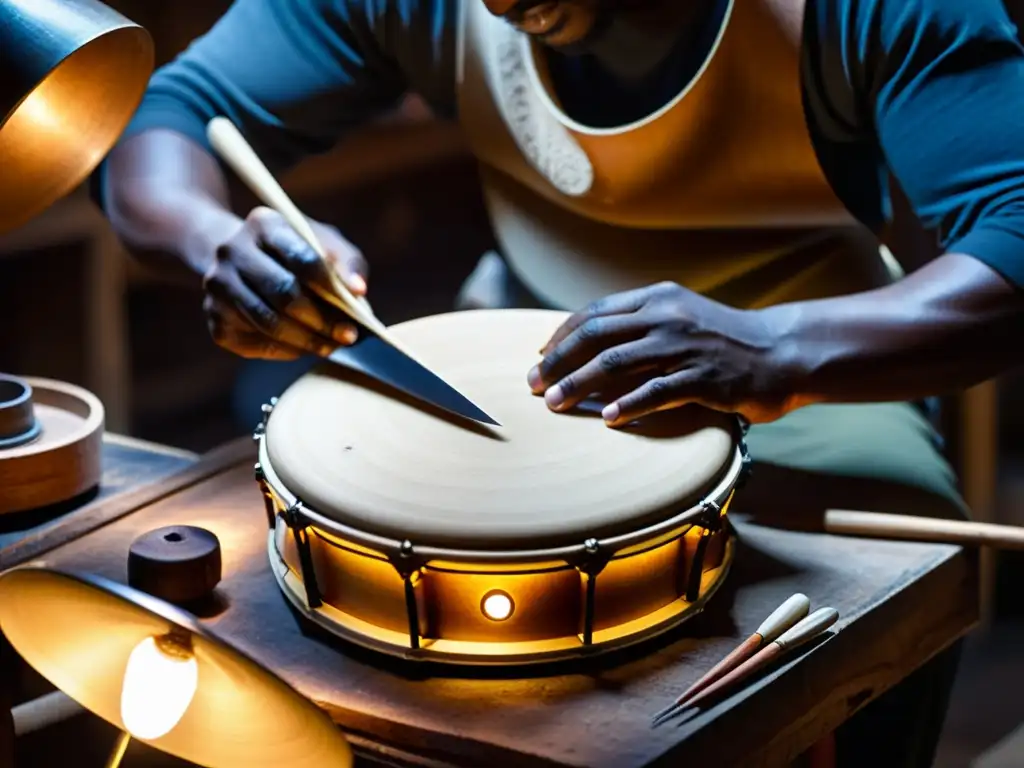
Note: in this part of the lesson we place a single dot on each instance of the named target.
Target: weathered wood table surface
(131, 468)
(900, 604)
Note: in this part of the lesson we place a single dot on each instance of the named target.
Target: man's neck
(632, 46)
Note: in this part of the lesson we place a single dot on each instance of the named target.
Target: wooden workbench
(901, 603)
(131, 469)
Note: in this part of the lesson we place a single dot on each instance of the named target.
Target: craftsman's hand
(259, 298)
(662, 347)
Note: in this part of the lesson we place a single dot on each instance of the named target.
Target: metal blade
(381, 361)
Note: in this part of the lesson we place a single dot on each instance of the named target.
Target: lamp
(160, 676)
(72, 73)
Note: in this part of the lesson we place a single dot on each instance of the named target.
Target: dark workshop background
(76, 308)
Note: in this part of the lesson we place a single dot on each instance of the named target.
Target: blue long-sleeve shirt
(931, 91)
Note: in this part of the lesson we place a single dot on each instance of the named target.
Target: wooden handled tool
(781, 619)
(403, 371)
(232, 147)
(805, 631)
(879, 525)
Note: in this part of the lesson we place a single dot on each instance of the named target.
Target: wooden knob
(179, 563)
(18, 423)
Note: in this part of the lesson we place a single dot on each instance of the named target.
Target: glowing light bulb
(159, 683)
(497, 605)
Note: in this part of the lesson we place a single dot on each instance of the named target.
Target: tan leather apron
(719, 190)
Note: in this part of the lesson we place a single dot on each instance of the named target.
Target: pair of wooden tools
(788, 626)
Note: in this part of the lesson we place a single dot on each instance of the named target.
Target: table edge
(426, 747)
(965, 614)
(102, 512)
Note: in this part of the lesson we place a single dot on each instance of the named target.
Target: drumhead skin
(379, 462)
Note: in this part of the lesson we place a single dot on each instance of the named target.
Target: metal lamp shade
(78, 631)
(72, 73)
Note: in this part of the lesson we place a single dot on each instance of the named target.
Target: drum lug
(711, 522)
(747, 466)
(268, 497)
(712, 517)
(591, 564)
(267, 409)
(261, 428)
(293, 517)
(408, 565)
(696, 573)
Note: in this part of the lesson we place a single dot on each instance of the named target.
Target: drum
(550, 537)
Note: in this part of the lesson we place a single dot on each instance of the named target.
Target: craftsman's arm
(167, 200)
(942, 83)
(293, 75)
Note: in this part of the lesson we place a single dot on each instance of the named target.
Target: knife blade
(376, 354)
(374, 357)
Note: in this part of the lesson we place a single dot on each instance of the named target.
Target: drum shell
(549, 598)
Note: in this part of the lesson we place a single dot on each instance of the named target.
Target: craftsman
(711, 180)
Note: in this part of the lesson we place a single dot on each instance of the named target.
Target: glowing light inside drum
(497, 605)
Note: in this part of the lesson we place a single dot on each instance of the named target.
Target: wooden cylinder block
(180, 563)
(64, 459)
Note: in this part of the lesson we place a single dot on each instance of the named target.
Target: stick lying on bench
(885, 526)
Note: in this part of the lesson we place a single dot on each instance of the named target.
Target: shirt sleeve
(942, 83)
(293, 75)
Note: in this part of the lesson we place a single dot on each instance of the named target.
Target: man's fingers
(275, 263)
(227, 288)
(656, 394)
(596, 338)
(276, 237)
(234, 333)
(603, 373)
(345, 258)
(298, 256)
(282, 291)
(616, 304)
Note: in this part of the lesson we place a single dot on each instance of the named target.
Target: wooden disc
(18, 423)
(65, 459)
(367, 458)
(178, 563)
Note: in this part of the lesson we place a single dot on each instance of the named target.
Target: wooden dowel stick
(740, 654)
(907, 527)
(234, 150)
(806, 630)
(780, 620)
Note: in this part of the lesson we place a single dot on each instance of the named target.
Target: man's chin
(579, 47)
(569, 50)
